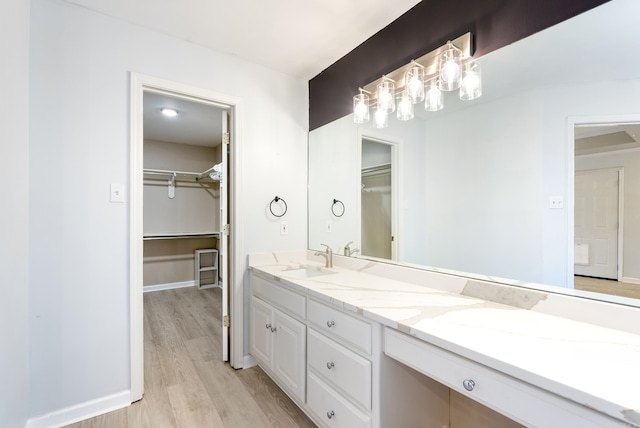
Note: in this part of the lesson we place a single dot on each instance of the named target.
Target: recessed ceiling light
(171, 112)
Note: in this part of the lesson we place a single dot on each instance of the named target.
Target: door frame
(396, 186)
(572, 122)
(140, 83)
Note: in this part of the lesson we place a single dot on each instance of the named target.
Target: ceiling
(605, 138)
(299, 38)
(196, 123)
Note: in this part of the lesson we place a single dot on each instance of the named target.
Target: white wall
(483, 189)
(14, 212)
(79, 292)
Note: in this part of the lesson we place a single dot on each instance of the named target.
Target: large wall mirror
(517, 184)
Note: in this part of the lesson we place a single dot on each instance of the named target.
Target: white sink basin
(306, 272)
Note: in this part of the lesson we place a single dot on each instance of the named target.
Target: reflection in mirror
(480, 181)
(607, 206)
(375, 201)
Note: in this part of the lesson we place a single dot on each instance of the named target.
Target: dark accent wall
(429, 24)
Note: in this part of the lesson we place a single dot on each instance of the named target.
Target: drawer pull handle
(331, 323)
(273, 329)
(468, 384)
(330, 365)
(330, 414)
(268, 326)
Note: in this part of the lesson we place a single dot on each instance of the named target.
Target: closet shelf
(158, 236)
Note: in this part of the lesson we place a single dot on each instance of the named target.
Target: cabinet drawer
(337, 324)
(290, 302)
(341, 368)
(520, 401)
(331, 409)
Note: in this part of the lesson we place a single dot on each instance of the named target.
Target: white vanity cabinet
(278, 341)
(324, 357)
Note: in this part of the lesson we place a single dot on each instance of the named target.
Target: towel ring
(340, 208)
(276, 200)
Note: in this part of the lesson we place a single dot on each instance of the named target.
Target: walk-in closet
(184, 194)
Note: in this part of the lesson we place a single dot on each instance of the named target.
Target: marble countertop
(594, 366)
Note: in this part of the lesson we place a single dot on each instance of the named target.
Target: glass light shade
(380, 119)
(405, 107)
(361, 108)
(433, 100)
(386, 95)
(414, 83)
(450, 68)
(471, 87)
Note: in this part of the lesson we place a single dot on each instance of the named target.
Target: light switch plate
(117, 193)
(284, 228)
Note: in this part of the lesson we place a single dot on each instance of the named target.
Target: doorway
(213, 230)
(605, 152)
(379, 198)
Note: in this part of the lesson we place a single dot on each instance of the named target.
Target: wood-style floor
(607, 286)
(186, 383)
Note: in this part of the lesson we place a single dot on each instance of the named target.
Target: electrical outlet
(284, 228)
(556, 202)
(329, 228)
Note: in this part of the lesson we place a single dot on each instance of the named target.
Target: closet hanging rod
(171, 173)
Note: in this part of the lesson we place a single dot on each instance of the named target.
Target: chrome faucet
(348, 251)
(328, 256)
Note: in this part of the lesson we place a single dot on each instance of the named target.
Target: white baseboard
(82, 411)
(249, 361)
(630, 280)
(168, 286)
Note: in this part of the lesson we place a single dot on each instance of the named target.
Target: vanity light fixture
(471, 87)
(405, 106)
(423, 79)
(433, 100)
(414, 85)
(386, 95)
(170, 112)
(450, 68)
(380, 119)
(361, 107)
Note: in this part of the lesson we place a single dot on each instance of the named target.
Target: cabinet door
(290, 353)
(261, 334)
